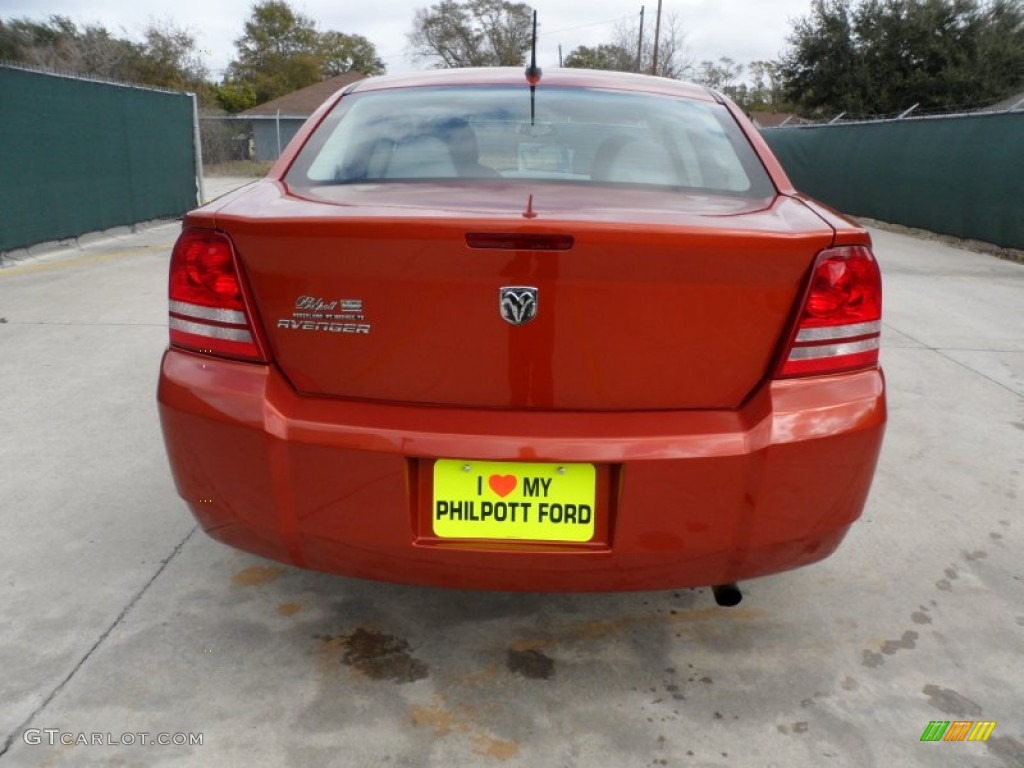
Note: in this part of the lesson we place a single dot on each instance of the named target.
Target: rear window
(577, 135)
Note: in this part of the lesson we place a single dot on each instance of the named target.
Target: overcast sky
(744, 30)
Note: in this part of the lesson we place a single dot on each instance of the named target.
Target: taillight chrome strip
(211, 331)
(827, 333)
(833, 350)
(207, 313)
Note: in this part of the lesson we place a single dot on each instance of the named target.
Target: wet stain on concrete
(907, 642)
(379, 656)
(1007, 749)
(978, 554)
(257, 576)
(849, 684)
(811, 701)
(995, 536)
(944, 585)
(444, 722)
(289, 609)
(949, 701)
(530, 663)
(499, 749)
(951, 574)
(1020, 620)
(1018, 425)
(920, 617)
(872, 659)
(800, 727)
(531, 644)
(672, 688)
(433, 716)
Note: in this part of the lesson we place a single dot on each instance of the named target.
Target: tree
(760, 92)
(235, 97)
(8, 43)
(869, 57)
(1001, 43)
(605, 56)
(340, 53)
(674, 61)
(765, 86)
(621, 53)
(169, 59)
(282, 51)
(472, 33)
(719, 75)
(165, 57)
(60, 44)
(278, 52)
(821, 69)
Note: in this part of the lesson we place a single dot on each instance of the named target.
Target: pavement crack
(978, 373)
(9, 741)
(942, 351)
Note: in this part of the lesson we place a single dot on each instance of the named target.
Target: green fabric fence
(80, 156)
(961, 176)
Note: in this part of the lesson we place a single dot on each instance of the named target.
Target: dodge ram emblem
(518, 304)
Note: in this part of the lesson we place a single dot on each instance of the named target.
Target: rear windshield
(576, 135)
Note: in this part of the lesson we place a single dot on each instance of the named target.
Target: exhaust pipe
(727, 595)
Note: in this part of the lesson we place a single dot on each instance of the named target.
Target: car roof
(579, 78)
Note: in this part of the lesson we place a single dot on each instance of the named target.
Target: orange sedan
(579, 336)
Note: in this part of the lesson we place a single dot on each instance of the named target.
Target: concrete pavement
(120, 617)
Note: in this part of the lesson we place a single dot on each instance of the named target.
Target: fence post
(197, 140)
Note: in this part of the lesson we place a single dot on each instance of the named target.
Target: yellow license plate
(513, 500)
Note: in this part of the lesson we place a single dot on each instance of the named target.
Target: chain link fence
(225, 139)
(957, 175)
(83, 155)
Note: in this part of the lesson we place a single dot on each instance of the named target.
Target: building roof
(303, 102)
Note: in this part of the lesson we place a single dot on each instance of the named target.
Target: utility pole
(640, 44)
(559, 55)
(657, 34)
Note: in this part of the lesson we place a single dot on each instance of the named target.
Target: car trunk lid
(644, 299)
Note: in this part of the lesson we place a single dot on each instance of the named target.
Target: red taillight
(207, 307)
(841, 320)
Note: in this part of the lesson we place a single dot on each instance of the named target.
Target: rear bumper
(687, 498)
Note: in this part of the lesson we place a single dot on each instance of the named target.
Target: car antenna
(533, 72)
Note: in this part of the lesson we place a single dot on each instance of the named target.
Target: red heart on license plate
(502, 485)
